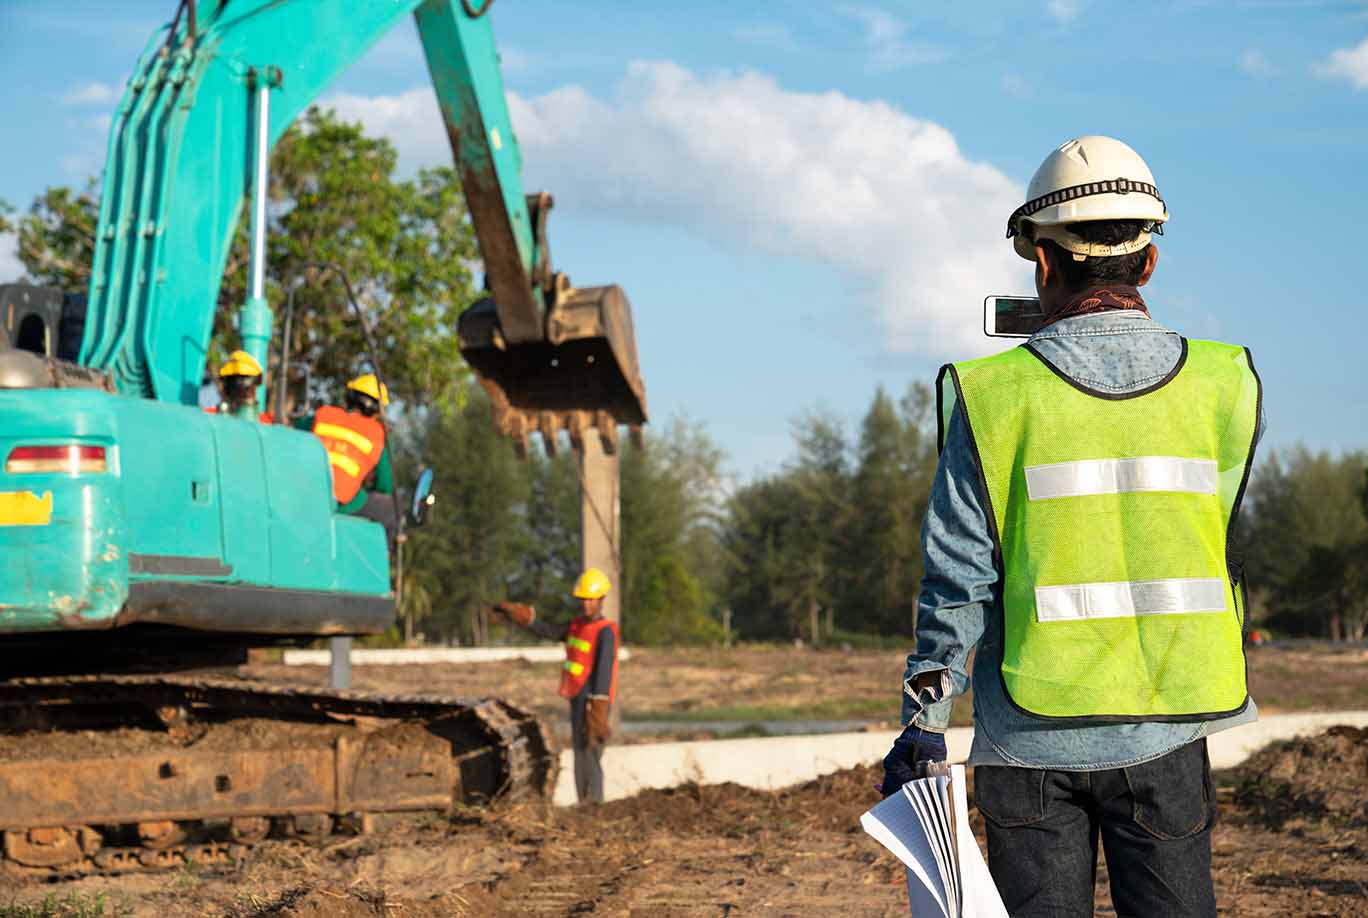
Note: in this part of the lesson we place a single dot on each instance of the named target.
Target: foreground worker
(354, 437)
(1077, 535)
(588, 677)
(239, 379)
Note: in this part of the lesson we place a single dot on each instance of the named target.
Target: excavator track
(118, 773)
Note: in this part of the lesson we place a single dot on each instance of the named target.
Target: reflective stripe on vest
(1129, 599)
(1109, 516)
(347, 464)
(579, 655)
(347, 435)
(354, 444)
(1120, 476)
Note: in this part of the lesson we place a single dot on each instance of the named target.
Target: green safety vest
(1110, 515)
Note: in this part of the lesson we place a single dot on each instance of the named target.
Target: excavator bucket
(583, 374)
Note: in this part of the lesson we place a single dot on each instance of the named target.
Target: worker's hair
(1117, 269)
(240, 389)
(360, 401)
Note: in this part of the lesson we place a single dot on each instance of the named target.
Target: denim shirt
(961, 601)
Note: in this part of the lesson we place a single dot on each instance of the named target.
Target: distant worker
(239, 379)
(1077, 536)
(354, 437)
(588, 676)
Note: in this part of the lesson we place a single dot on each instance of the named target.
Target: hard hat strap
(1073, 193)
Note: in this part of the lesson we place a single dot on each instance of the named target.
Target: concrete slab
(771, 763)
(368, 656)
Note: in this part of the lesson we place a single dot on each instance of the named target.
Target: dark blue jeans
(1154, 820)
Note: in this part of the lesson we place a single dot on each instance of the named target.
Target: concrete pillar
(600, 517)
(339, 669)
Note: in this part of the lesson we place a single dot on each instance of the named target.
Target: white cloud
(1254, 63)
(1348, 64)
(886, 199)
(887, 44)
(91, 94)
(410, 119)
(11, 268)
(1064, 10)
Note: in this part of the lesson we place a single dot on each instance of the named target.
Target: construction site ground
(1292, 837)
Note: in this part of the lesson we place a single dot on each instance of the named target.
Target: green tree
(406, 246)
(668, 607)
(1305, 540)
(551, 561)
(671, 495)
(785, 539)
(474, 544)
(57, 236)
(896, 462)
(760, 544)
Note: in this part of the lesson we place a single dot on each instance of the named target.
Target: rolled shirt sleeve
(960, 582)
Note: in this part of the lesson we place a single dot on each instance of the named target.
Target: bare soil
(1292, 839)
(757, 683)
(727, 850)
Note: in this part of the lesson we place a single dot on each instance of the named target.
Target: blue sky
(806, 201)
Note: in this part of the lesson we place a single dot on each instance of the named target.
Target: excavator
(144, 542)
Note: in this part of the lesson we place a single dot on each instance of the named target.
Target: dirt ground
(758, 683)
(1292, 841)
(1292, 838)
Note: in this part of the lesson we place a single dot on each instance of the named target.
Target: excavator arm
(211, 95)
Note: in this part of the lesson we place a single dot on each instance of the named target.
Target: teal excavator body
(122, 503)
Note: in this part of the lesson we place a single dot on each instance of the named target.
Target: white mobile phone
(1012, 316)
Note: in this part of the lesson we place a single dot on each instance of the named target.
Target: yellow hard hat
(369, 385)
(240, 363)
(592, 584)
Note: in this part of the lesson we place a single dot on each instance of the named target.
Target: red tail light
(69, 460)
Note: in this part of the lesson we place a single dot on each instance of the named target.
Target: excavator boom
(214, 91)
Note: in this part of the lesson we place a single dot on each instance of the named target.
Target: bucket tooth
(587, 363)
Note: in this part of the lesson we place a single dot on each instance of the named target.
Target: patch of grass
(74, 905)
(749, 731)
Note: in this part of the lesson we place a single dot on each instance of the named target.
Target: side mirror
(423, 498)
(1012, 316)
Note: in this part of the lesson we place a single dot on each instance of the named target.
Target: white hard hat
(1088, 178)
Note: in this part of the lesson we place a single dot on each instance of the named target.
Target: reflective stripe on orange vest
(346, 434)
(354, 444)
(345, 463)
(579, 656)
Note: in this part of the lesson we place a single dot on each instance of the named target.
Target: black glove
(911, 748)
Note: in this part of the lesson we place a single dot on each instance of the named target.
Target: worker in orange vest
(588, 676)
(354, 438)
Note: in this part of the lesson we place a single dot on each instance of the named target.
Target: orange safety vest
(579, 655)
(354, 443)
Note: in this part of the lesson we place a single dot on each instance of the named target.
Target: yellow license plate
(24, 508)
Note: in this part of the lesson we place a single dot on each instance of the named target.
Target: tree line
(825, 549)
